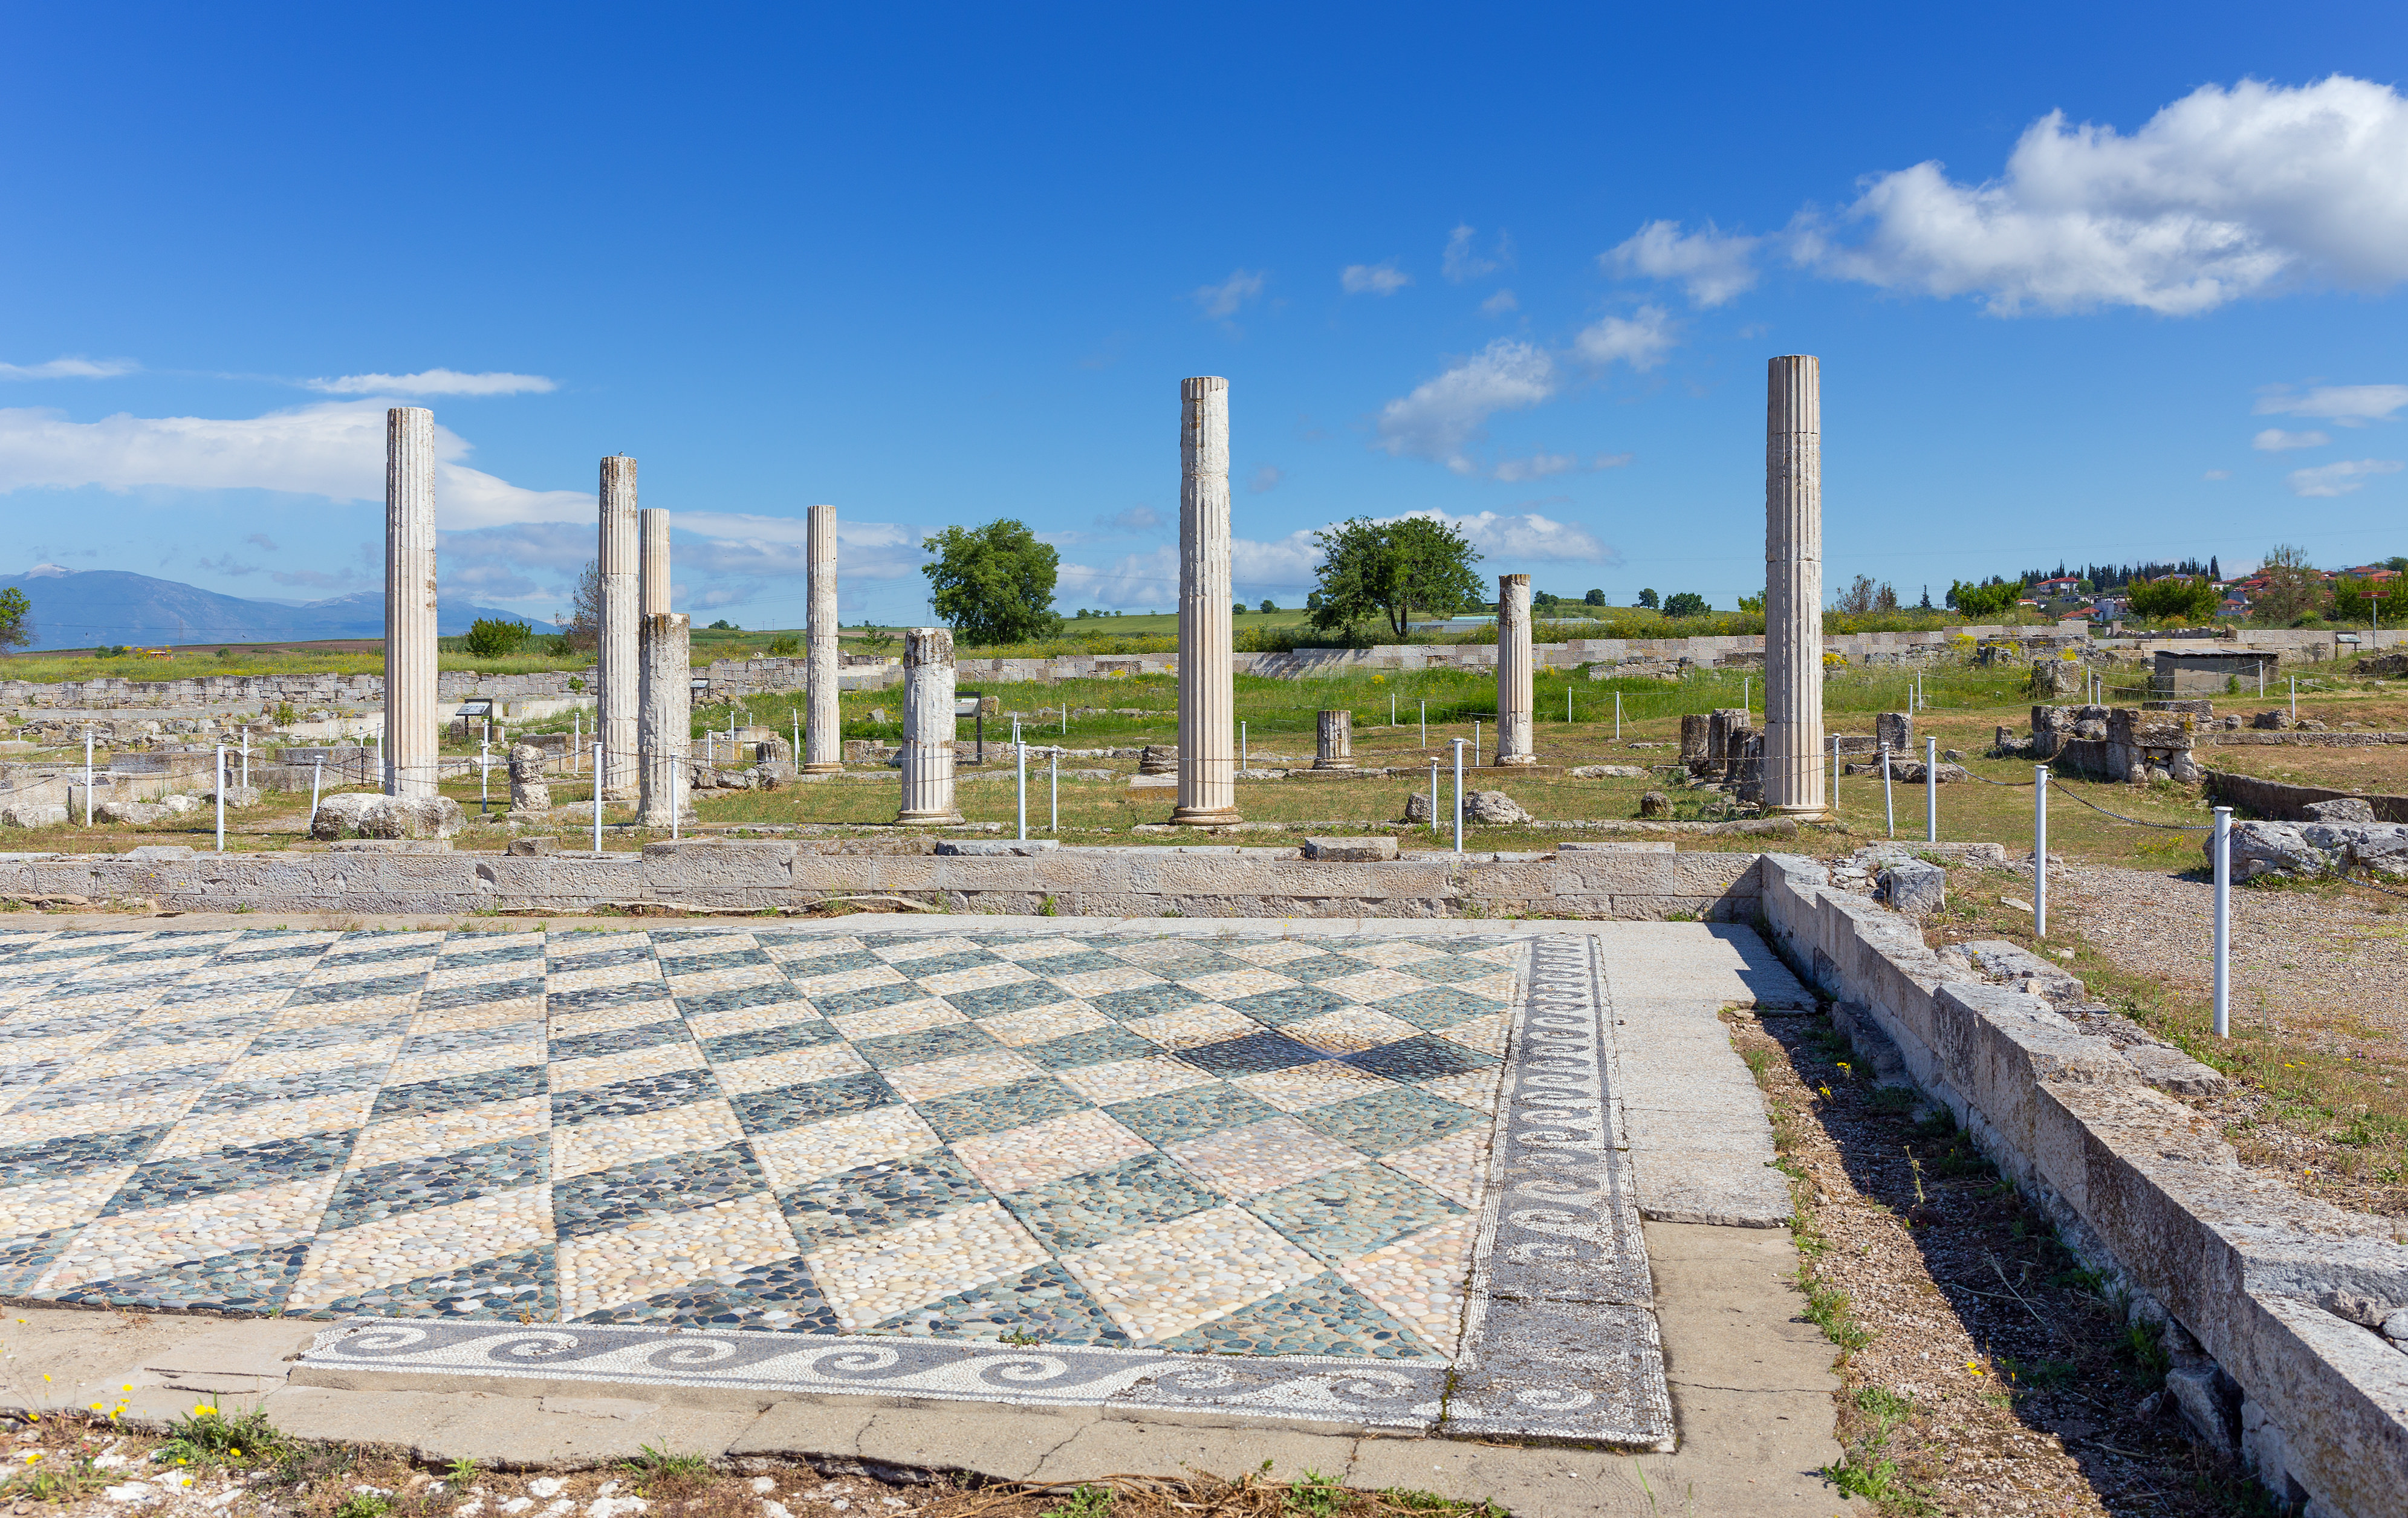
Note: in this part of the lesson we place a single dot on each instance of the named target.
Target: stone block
(1351, 850)
(235, 796)
(33, 814)
(1914, 888)
(997, 848)
(129, 813)
(2342, 810)
(1654, 804)
(1611, 772)
(530, 848)
(1493, 808)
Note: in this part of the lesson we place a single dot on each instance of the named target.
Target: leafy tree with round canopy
(992, 584)
(1390, 570)
(2174, 598)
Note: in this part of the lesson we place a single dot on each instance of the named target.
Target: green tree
(492, 637)
(2292, 589)
(724, 625)
(1753, 603)
(2354, 599)
(993, 584)
(1391, 569)
(1686, 604)
(1995, 599)
(2174, 598)
(1647, 598)
(16, 619)
(1594, 598)
(1270, 605)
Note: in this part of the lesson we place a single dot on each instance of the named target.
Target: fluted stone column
(823, 734)
(410, 722)
(667, 729)
(1793, 588)
(1208, 703)
(1333, 746)
(653, 558)
(928, 727)
(618, 662)
(1515, 744)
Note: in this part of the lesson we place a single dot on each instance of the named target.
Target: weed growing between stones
(1983, 1368)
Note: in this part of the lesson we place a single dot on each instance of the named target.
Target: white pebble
(546, 1486)
(518, 1504)
(611, 1507)
(762, 1486)
(774, 1510)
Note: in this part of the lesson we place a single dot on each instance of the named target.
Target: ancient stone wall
(2141, 1186)
(2289, 803)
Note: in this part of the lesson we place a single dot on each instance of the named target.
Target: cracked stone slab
(1561, 1340)
(1319, 1392)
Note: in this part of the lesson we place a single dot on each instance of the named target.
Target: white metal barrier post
(221, 798)
(484, 776)
(1458, 795)
(246, 758)
(1243, 761)
(1424, 724)
(1930, 790)
(1617, 716)
(87, 777)
(597, 797)
(2040, 850)
(317, 782)
(2223, 922)
(1889, 802)
(1021, 750)
(1053, 793)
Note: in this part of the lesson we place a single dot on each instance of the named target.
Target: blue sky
(1522, 268)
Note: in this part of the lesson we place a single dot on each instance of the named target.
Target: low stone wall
(2140, 1184)
(1624, 881)
(221, 693)
(2289, 803)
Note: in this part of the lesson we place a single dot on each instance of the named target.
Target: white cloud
(2352, 406)
(1500, 303)
(1642, 342)
(1712, 266)
(2274, 440)
(2218, 474)
(334, 449)
(1266, 478)
(70, 367)
(2225, 193)
(2339, 478)
(1442, 415)
(1136, 518)
(1460, 262)
(1222, 301)
(434, 382)
(1373, 279)
(1540, 466)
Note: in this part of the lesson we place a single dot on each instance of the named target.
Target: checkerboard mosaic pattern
(1251, 1145)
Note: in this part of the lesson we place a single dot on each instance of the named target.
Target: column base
(928, 819)
(1333, 763)
(1202, 817)
(822, 766)
(1803, 814)
(1511, 760)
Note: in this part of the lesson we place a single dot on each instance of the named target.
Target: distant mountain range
(91, 608)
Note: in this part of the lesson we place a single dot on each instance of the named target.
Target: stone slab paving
(1250, 1172)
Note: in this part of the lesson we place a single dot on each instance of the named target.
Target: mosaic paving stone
(1045, 1303)
(503, 1289)
(1321, 1316)
(1082, 1210)
(995, 1109)
(1423, 1058)
(392, 1190)
(1395, 1117)
(1341, 1213)
(654, 1188)
(873, 1198)
(774, 1112)
(627, 1098)
(222, 1171)
(1247, 1145)
(1169, 1118)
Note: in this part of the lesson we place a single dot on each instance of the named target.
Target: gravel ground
(1982, 1372)
(2323, 964)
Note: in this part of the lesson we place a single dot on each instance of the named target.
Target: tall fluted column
(1515, 743)
(667, 730)
(652, 556)
(1208, 703)
(1333, 740)
(618, 660)
(823, 734)
(411, 723)
(1793, 587)
(928, 727)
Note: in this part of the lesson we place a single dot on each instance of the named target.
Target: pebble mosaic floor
(1249, 1144)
